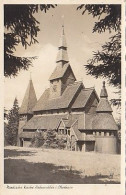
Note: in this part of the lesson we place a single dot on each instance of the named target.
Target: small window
(68, 132)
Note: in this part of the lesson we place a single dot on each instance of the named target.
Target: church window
(68, 132)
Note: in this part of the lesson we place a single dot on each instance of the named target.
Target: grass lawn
(49, 166)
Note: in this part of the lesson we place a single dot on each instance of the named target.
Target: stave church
(69, 108)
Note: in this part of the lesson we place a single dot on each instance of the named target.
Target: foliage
(48, 139)
(39, 139)
(5, 134)
(11, 129)
(21, 27)
(107, 62)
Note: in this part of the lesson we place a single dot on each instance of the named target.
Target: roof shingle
(44, 122)
(104, 121)
(82, 98)
(44, 103)
(29, 100)
(59, 71)
(103, 106)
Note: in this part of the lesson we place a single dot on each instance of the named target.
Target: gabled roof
(59, 71)
(64, 101)
(82, 98)
(44, 122)
(29, 100)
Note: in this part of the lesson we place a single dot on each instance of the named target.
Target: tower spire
(62, 49)
(103, 105)
(29, 100)
(104, 91)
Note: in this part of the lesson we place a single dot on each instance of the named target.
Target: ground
(49, 166)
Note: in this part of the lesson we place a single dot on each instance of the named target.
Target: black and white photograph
(62, 93)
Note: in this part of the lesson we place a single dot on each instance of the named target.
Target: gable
(64, 101)
(82, 98)
(92, 103)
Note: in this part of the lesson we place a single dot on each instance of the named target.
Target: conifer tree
(13, 122)
(21, 27)
(107, 62)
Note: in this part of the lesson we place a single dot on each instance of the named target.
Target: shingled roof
(82, 98)
(104, 121)
(75, 117)
(59, 71)
(44, 122)
(103, 105)
(45, 103)
(29, 100)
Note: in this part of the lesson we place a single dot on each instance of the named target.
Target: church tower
(105, 125)
(63, 74)
(29, 101)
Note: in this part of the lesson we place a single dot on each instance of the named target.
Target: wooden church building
(74, 111)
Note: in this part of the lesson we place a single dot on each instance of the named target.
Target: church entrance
(21, 142)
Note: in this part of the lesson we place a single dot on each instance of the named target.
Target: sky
(81, 43)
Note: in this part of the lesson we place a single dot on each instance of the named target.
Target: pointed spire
(104, 91)
(62, 49)
(103, 105)
(29, 100)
